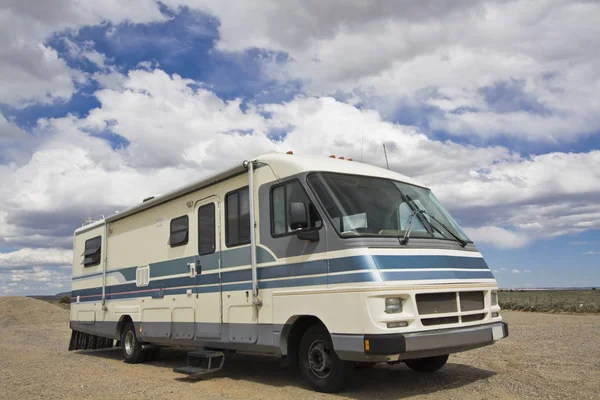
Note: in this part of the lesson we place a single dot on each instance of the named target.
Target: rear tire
(319, 364)
(131, 347)
(427, 364)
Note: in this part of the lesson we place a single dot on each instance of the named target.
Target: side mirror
(298, 216)
(299, 222)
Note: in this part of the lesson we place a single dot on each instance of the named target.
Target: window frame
(272, 209)
(214, 209)
(171, 231)
(99, 249)
(318, 201)
(228, 244)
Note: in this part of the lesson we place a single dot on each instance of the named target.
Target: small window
(92, 252)
(237, 213)
(281, 198)
(206, 229)
(179, 231)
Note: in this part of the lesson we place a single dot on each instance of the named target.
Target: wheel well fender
(292, 333)
(121, 325)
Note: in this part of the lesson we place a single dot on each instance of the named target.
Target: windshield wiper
(404, 240)
(416, 213)
(462, 242)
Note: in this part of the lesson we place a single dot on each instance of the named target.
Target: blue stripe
(424, 275)
(364, 269)
(428, 262)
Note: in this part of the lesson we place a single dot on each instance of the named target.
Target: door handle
(198, 268)
(192, 268)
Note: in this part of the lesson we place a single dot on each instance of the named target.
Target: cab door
(207, 270)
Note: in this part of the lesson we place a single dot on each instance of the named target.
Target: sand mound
(25, 310)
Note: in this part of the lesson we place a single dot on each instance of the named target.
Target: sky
(495, 105)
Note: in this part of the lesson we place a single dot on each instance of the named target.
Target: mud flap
(86, 341)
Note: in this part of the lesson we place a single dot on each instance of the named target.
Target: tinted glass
(281, 198)
(237, 210)
(279, 213)
(206, 229)
(92, 252)
(179, 231)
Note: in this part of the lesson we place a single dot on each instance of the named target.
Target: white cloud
(28, 257)
(498, 237)
(30, 70)
(491, 67)
(516, 271)
(179, 131)
(36, 280)
(592, 253)
(527, 271)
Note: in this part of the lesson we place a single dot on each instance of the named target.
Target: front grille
(439, 321)
(471, 301)
(436, 303)
(455, 303)
(472, 317)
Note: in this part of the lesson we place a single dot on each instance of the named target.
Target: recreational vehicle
(327, 262)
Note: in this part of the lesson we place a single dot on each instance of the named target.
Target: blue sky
(503, 127)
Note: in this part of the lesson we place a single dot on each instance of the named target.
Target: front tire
(427, 364)
(131, 347)
(319, 364)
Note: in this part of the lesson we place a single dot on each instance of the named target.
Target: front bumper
(402, 346)
(443, 341)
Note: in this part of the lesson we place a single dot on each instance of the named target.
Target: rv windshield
(377, 207)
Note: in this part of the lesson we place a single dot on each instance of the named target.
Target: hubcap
(129, 343)
(319, 359)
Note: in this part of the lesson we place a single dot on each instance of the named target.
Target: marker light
(290, 153)
(332, 156)
(393, 305)
(494, 296)
(397, 324)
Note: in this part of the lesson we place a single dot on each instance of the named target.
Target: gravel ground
(546, 356)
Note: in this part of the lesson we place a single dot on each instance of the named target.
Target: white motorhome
(327, 262)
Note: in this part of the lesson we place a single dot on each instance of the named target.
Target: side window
(237, 215)
(179, 231)
(281, 198)
(206, 229)
(92, 252)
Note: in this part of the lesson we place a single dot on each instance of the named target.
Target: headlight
(494, 295)
(393, 305)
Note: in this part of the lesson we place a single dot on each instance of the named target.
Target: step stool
(202, 362)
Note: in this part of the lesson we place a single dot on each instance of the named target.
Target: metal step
(202, 362)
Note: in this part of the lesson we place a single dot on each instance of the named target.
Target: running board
(201, 363)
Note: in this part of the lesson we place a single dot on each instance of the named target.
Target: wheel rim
(319, 358)
(129, 343)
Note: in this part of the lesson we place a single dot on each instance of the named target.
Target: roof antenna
(362, 142)
(386, 160)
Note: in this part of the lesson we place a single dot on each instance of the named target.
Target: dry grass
(577, 301)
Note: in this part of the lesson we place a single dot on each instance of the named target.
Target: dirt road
(546, 356)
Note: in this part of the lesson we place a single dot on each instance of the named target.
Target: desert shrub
(65, 300)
